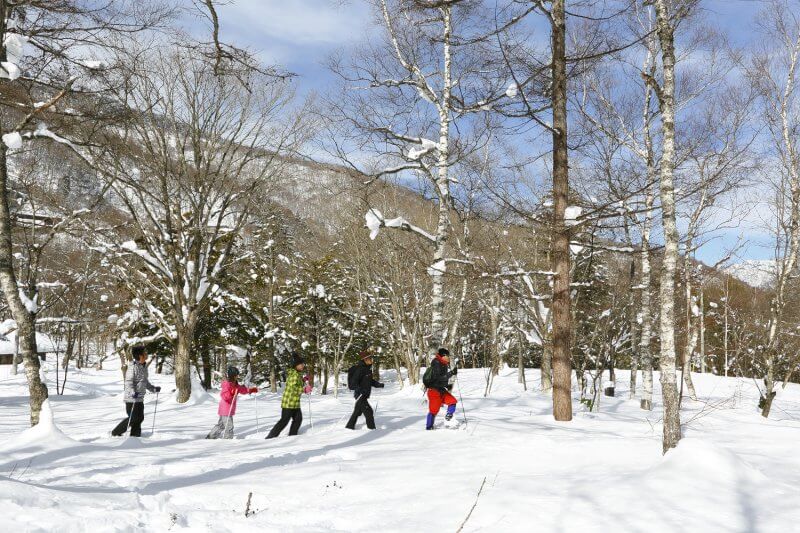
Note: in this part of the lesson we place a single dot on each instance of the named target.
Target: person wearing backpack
(437, 381)
(359, 380)
(295, 386)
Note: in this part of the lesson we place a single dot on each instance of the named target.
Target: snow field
(734, 471)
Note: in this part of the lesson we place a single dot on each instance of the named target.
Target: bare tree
(59, 36)
(668, 15)
(198, 152)
(774, 73)
(425, 78)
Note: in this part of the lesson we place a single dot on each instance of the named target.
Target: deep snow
(734, 471)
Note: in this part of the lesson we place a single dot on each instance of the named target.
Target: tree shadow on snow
(267, 462)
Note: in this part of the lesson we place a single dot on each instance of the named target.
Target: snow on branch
(375, 221)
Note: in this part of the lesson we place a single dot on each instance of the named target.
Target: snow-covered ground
(734, 471)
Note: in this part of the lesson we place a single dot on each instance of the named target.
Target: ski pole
(255, 398)
(310, 415)
(155, 410)
(130, 417)
(345, 415)
(460, 399)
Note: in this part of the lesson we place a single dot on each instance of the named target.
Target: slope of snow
(734, 470)
(759, 273)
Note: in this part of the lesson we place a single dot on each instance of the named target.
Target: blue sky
(301, 34)
(296, 34)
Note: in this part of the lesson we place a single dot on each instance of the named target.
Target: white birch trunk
(669, 389)
(438, 333)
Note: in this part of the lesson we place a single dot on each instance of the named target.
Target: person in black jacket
(362, 391)
(439, 387)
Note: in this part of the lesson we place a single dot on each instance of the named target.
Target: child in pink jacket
(227, 404)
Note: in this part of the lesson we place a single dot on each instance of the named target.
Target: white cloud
(304, 22)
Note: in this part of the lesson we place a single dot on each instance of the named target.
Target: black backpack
(353, 377)
(427, 377)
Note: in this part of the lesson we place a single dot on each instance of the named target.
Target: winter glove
(252, 390)
(450, 387)
(307, 389)
(135, 395)
(157, 389)
(380, 385)
(454, 371)
(305, 378)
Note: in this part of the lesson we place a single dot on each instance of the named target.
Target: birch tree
(424, 78)
(775, 74)
(668, 15)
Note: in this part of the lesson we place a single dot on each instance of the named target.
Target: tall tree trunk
(691, 330)
(521, 361)
(438, 333)
(634, 321)
(26, 332)
(80, 341)
(562, 315)
(645, 355)
(68, 349)
(669, 389)
(325, 377)
(725, 323)
(376, 369)
(273, 374)
(183, 359)
(547, 366)
(205, 355)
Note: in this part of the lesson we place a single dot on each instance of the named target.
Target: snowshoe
(451, 423)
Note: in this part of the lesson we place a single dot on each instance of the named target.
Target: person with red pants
(438, 384)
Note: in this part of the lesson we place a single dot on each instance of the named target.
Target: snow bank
(198, 395)
(46, 434)
(699, 458)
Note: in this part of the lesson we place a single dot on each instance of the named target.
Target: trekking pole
(155, 410)
(130, 417)
(310, 415)
(460, 399)
(255, 398)
(345, 415)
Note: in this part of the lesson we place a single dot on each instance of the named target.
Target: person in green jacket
(296, 385)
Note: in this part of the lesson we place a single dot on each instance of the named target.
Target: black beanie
(297, 359)
(444, 352)
(232, 371)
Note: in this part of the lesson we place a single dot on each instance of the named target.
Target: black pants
(135, 419)
(295, 415)
(362, 408)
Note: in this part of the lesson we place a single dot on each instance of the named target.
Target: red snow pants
(437, 398)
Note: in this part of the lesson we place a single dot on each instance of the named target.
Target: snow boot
(451, 409)
(429, 422)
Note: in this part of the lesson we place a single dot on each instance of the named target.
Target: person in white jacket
(136, 386)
